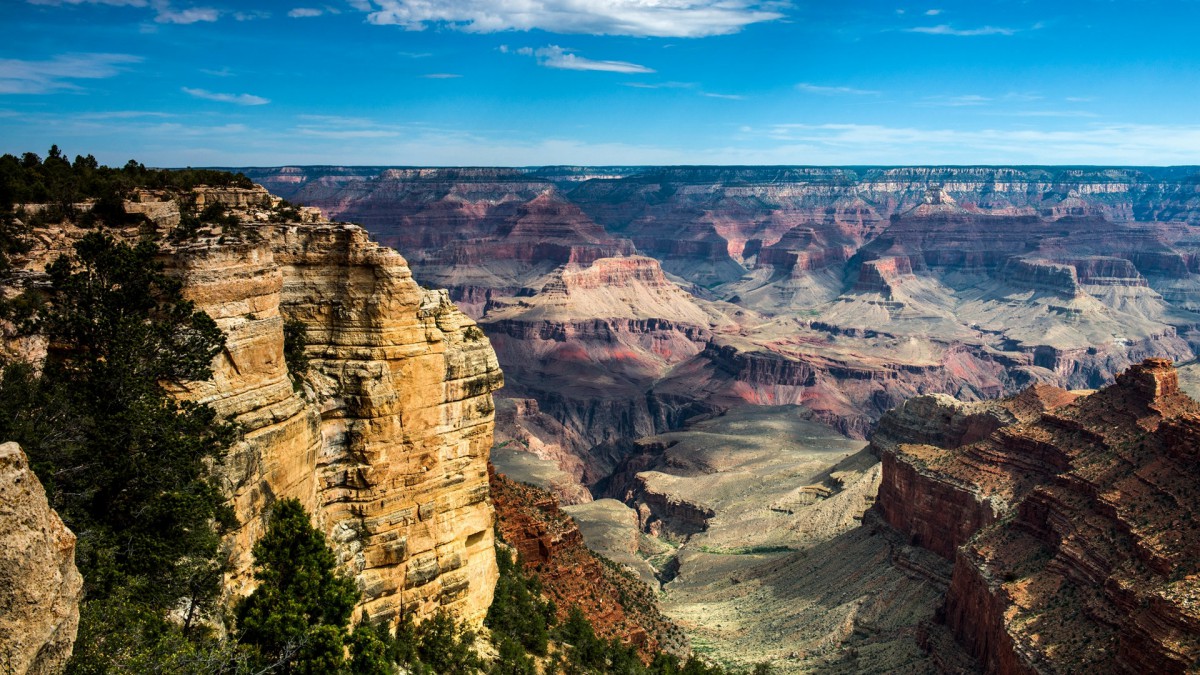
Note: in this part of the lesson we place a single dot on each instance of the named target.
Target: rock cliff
(1071, 524)
(40, 588)
(385, 440)
(551, 547)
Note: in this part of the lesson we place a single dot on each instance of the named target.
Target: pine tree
(297, 615)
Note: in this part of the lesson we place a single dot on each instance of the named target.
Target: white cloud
(728, 97)
(553, 56)
(305, 12)
(240, 99)
(819, 89)
(42, 77)
(186, 16)
(932, 12)
(164, 13)
(960, 101)
(659, 18)
(441, 76)
(947, 29)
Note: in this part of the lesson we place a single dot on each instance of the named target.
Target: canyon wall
(673, 292)
(384, 440)
(1071, 524)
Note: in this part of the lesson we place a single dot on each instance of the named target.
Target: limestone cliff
(385, 439)
(40, 588)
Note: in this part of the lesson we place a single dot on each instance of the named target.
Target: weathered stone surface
(1073, 527)
(40, 588)
(385, 440)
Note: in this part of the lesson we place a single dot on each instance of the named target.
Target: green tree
(518, 612)
(296, 617)
(125, 464)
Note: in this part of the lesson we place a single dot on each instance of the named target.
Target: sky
(602, 82)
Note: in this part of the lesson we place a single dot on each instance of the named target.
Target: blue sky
(531, 82)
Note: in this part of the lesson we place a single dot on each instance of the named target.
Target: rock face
(385, 440)
(1072, 525)
(40, 588)
(550, 545)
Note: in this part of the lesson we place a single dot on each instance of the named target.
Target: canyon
(625, 300)
(693, 353)
(837, 420)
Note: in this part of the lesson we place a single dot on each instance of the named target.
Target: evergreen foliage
(124, 464)
(295, 339)
(29, 179)
(518, 612)
(297, 615)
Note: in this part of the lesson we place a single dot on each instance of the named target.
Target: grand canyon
(828, 420)
(691, 356)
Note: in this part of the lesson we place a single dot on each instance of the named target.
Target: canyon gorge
(691, 352)
(835, 420)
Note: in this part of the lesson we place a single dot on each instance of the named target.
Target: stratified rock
(616, 602)
(1074, 527)
(40, 588)
(385, 440)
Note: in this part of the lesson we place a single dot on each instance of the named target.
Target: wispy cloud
(305, 12)
(1109, 144)
(185, 16)
(661, 85)
(658, 18)
(441, 76)
(252, 15)
(959, 101)
(832, 91)
(164, 12)
(111, 3)
(947, 29)
(42, 77)
(1052, 113)
(729, 97)
(553, 56)
(932, 12)
(239, 99)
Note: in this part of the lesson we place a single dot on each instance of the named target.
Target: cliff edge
(1072, 523)
(384, 438)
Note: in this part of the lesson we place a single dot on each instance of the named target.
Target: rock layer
(385, 440)
(40, 588)
(1072, 527)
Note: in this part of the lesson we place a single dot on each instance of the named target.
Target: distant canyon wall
(846, 290)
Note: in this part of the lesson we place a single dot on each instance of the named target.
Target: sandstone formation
(385, 440)
(1070, 523)
(40, 589)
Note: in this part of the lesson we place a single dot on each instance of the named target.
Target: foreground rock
(1072, 525)
(40, 588)
(385, 438)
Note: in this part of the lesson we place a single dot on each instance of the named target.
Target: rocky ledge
(1072, 523)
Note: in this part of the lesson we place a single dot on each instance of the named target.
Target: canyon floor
(751, 525)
